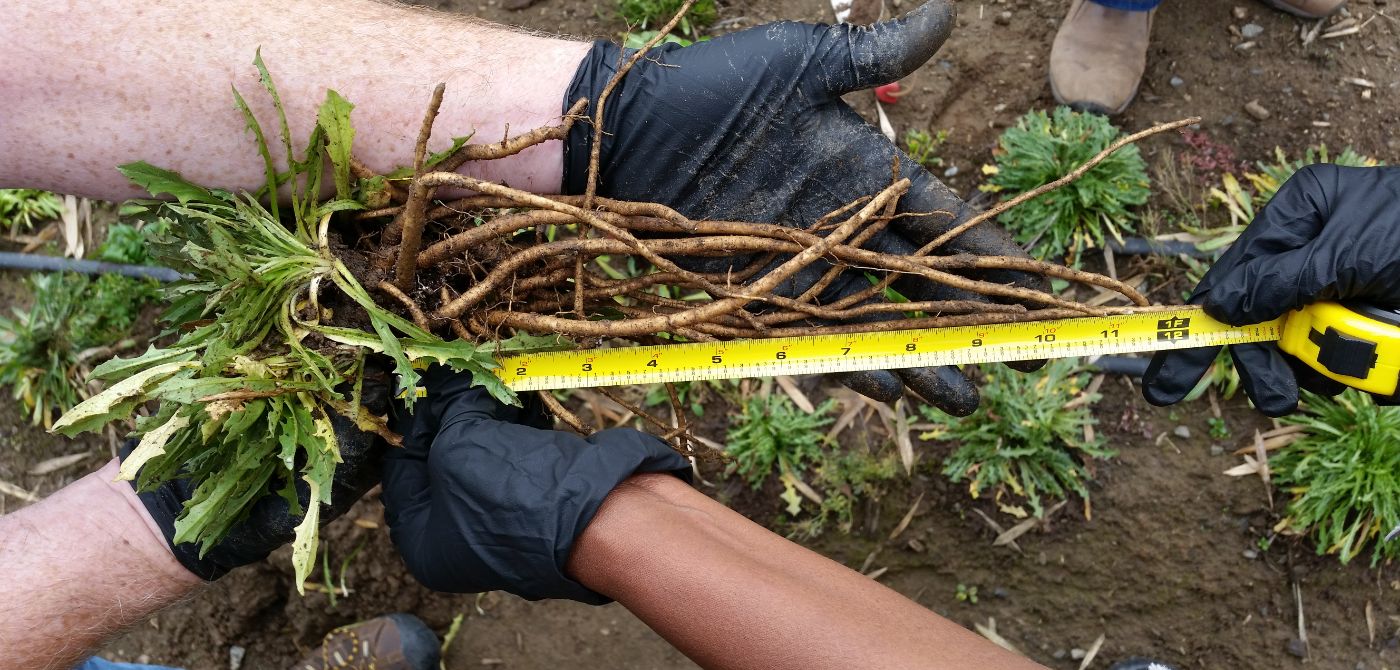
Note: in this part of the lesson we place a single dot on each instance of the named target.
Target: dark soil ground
(1170, 564)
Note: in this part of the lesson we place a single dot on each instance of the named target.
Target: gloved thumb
(860, 57)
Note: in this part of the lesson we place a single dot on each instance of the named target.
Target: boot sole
(1093, 107)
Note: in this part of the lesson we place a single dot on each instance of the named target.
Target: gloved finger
(943, 387)
(881, 385)
(1266, 377)
(851, 58)
(1313, 381)
(1269, 286)
(1172, 375)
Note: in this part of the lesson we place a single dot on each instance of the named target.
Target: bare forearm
(731, 594)
(91, 85)
(79, 566)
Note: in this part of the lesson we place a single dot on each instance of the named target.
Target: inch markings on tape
(1182, 328)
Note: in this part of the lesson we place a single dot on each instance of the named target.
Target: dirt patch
(1160, 569)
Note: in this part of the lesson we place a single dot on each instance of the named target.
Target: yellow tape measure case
(1357, 345)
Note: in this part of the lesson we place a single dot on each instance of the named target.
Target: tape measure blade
(1187, 327)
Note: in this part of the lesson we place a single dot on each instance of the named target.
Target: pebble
(1251, 554)
(1077, 653)
(1217, 450)
(1251, 30)
(1298, 648)
(1182, 432)
(1177, 82)
(1256, 110)
(1240, 13)
(235, 657)
(1060, 654)
(952, 171)
(1003, 19)
(1000, 592)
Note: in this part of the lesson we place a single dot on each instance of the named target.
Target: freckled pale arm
(91, 85)
(81, 565)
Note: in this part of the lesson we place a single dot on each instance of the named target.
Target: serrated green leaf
(117, 401)
(524, 343)
(269, 169)
(265, 78)
(115, 368)
(482, 368)
(159, 181)
(334, 118)
(403, 368)
(455, 353)
(152, 444)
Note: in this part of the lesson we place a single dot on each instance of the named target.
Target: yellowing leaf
(117, 401)
(304, 545)
(152, 444)
(791, 497)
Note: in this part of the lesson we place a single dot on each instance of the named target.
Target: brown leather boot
(1099, 57)
(1308, 9)
(391, 642)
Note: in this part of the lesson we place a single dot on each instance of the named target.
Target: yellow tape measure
(1359, 347)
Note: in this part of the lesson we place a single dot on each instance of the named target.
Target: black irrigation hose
(1122, 365)
(1138, 246)
(35, 262)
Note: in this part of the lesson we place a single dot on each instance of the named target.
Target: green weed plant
(21, 208)
(923, 147)
(1025, 442)
(1343, 476)
(773, 437)
(1043, 147)
(653, 14)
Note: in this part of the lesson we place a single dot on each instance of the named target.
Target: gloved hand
(269, 524)
(485, 497)
(751, 127)
(1330, 233)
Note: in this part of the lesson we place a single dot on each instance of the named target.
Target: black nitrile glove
(751, 127)
(485, 497)
(270, 525)
(1330, 233)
